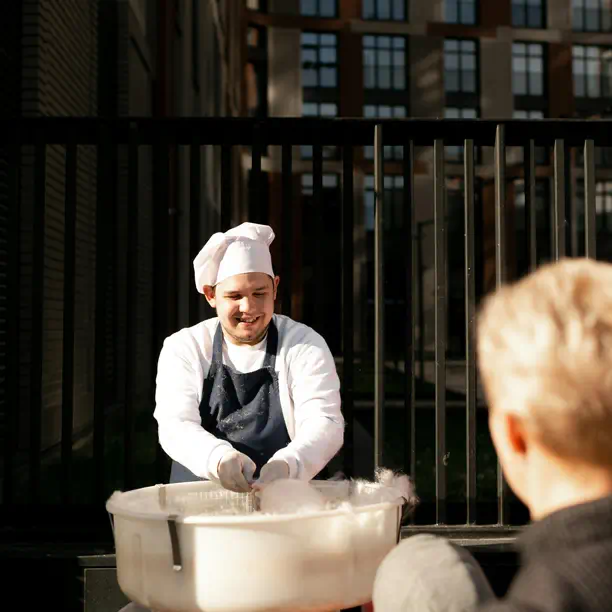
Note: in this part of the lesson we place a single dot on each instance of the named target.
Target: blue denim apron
(243, 409)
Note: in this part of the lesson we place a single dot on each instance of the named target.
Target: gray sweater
(566, 563)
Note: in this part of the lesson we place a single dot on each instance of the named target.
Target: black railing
(135, 169)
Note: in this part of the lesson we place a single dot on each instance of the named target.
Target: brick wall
(59, 77)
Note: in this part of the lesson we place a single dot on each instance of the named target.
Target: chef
(248, 396)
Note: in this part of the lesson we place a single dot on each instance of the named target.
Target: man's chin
(248, 336)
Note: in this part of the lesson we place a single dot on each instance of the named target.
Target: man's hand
(273, 470)
(236, 471)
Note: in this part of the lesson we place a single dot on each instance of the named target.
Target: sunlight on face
(244, 305)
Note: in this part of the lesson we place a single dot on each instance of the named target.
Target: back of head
(545, 354)
(425, 573)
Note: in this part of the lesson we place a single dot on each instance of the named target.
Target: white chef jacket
(309, 390)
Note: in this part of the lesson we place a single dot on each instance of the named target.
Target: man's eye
(259, 294)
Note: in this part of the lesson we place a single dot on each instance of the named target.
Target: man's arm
(319, 425)
(177, 412)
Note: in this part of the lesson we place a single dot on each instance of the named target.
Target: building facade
(508, 59)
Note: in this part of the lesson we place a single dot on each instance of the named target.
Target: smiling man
(248, 396)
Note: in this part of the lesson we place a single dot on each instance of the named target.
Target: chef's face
(244, 305)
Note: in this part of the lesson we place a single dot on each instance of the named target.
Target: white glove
(236, 471)
(273, 470)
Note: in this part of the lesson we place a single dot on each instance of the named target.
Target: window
(319, 81)
(528, 13)
(384, 111)
(330, 181)
(319, 8)
(454, 153)
(393, 218)
(527, 114)
(603, 213)
(384, 62)
(384, 10)
(603, 204)
(319, 109)
(460, 11)
(319, 60)
(591, 15)
(460, 66)
(527, 69)
(592, 70)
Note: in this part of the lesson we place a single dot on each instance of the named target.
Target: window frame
(459, 5)
(319, 93)
(528, 101)
(524, 4)
(587, 101)
(317, 12)
(459, 98)
(376, 94)
(585, 10)
(392, 11)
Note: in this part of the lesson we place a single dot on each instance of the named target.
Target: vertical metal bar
(590, 214)
(194, 222)
(255, 186)
(130, 309)
(470, 331)
(12, 320)
(530, 206)
(500, 272)
(287, 240)
(379, 299)
(559, 201)
(440, 327)
(161, 272)
(70, 203)
(38, 279)
(421, 296)
(348, 300)
(411, 310)
(500, 206)
(320, 264)
(103, 204)
(570, 200)
(226, 187)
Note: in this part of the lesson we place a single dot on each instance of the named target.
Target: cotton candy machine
(197, 547)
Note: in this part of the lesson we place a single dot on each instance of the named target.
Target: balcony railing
(134, 195)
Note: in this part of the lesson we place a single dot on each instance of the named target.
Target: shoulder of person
(192, 340)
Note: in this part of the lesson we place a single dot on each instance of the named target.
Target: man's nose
(245, 304)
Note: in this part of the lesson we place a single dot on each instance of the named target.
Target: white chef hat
(245, 248)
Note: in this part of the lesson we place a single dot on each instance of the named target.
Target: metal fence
(117, 148)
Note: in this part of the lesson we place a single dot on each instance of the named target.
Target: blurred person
(425, 573)
(545, 356)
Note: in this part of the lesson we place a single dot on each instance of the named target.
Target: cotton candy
(286, 496)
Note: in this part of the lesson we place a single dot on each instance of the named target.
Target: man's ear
(509, 433)
(517, 436)
(209, 294)
(275, 282)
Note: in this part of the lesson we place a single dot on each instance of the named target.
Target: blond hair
(545, 354)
